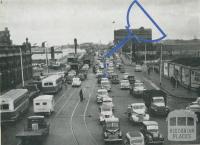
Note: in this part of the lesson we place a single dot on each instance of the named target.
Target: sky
(60, 21)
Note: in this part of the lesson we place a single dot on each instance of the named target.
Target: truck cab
(156, 102)
(111, 130)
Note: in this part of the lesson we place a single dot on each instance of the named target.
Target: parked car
(106, 85)
(76, 82)
(156, 102)
(134, 138)
(138, 68)
(150, 130)
(137, 89)
(195, 107)
(137, 112)
(101, 93)
(105, 112)
(111, 130)
(124, 84)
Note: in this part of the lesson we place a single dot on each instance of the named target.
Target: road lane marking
(71, 124)
(84, 118)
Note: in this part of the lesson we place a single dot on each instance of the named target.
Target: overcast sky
(60, 21)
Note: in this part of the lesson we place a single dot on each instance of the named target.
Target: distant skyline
(60, 21)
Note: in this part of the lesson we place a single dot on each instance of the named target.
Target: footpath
(166, 85)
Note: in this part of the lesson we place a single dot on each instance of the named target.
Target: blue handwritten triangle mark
(131, 35)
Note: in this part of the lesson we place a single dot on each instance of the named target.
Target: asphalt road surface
(76, 123)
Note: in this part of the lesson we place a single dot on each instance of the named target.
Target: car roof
(137, 104)
(36, 117)
(43, 97)
(147, 123)
(101, 90)
(134, 134)
(107, 98)
(112, 119)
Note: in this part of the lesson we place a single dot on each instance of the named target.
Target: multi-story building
(10, 62)
(134, 47)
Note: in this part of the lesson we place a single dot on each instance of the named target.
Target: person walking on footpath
(81, 95)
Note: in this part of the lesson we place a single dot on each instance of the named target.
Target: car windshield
(138, 107)
(158, 100)
(103, 93)
(138, 85)
(76, 79)
(152, 128)
(105, 83)
(112, 125)
(106, 109)
(124, 81)
(136, 141)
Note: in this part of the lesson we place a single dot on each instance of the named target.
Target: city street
(75, 122)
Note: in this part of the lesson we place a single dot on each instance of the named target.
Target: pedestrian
(81, 95)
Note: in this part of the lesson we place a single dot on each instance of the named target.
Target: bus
(182, 125)
(13, 103)
(52, 84)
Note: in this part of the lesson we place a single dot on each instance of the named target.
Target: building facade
(10, 62)
(135, 48)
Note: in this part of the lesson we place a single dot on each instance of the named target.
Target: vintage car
(76, 82)
(107, 101)
(114, 78)
(105, 112)
(125, 76)
(151, 133)
(156, 102)
(99, 73)
(131, 79)
(106, 85)
(137, 89)
(124, 84)
(137, 113)
(138, 68)
(111, 130)
(195, 107)
(101, 93)
(134, 138)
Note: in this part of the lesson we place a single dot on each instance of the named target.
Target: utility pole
(22, 68)
(145, 56)
(161, 64)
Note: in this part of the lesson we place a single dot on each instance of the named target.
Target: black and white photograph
(100, 72)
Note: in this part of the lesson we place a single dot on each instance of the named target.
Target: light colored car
(138, 68)
(125, 76)
(134, 138)
(104, 79)
(101, 93)
(137, 112)
(195, 107)
(99, 73)
(76, 82)
(105, 112)
(85, 67)
(107, 101)
(106, 85)
(124, 84)
(138, 88)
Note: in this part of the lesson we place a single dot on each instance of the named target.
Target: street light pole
(22, 69)
(161, 65)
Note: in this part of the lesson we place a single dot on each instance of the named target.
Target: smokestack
(52, 53)
(75, 45)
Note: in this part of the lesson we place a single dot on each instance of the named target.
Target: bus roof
(13, 94)
(51, 78)
(43, 97)
(181, 113)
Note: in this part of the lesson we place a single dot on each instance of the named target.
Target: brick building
(10, 62)
(132, 46)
